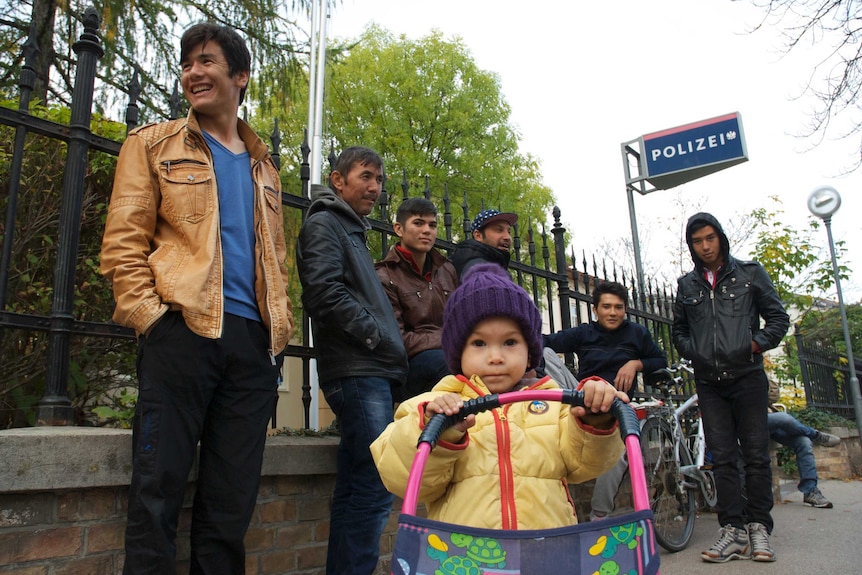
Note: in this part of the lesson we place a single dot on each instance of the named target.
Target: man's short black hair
(414, 207)
(232, 44)
(355, 155)
(613, 288)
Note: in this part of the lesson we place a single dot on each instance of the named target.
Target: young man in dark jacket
(614, 349)
(717, 325)
(418, 280)
(359, 349)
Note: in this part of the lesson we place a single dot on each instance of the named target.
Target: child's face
(497, 352)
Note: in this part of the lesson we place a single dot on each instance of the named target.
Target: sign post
(665, 159)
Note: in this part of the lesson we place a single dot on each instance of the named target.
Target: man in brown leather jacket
(194, 247)
(418, 280)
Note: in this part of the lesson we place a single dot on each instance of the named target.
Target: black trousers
(221, 393)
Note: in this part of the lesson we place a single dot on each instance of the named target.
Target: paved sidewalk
(805, 540)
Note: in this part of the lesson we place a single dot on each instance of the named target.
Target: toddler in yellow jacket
(508, 468)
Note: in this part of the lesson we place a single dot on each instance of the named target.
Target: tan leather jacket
(162, 248)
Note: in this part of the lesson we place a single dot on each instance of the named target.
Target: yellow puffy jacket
(510, 471)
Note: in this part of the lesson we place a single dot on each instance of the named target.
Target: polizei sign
(678, 155)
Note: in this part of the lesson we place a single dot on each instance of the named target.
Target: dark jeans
(360, 504)
(787, 430)
(426, 369)
(734, 419)
(220, 392)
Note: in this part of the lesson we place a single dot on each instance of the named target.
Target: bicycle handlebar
(672, 375)
(621, 411)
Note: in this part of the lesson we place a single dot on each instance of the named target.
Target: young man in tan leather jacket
(194, 247)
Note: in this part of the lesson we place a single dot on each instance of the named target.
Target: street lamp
(823, 202)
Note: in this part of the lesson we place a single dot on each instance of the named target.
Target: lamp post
(823, 202)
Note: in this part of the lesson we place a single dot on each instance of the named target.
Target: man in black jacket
(491, 241)
(615, 349)
(717, 325)
(359, 350)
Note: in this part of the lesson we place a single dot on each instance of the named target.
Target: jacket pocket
(736, 299)
(694, 306)
(162, 262)
(273, 209)
(188, 188)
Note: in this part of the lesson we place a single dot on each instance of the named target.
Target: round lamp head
(824, 201)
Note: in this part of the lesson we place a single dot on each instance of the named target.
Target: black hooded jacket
(714, 327)
(354, 327)
(471, 252)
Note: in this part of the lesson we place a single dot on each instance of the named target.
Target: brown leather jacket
(417, 303)
(162, 248)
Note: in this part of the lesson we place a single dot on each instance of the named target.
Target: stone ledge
(48, 458)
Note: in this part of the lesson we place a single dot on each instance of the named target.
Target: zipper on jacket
(504, 457)
(714, 334)
(168, 163)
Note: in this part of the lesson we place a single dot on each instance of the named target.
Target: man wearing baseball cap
(491, 241)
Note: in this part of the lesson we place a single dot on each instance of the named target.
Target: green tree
(801, 270)
(144, 35)
(825, 325)
(795, 259)
(430, 111)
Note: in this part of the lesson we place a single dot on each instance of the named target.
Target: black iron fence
(560, 283)
(826, 376)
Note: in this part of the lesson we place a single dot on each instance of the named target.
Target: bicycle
(674, 454)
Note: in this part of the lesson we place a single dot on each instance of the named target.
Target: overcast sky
(583, 77)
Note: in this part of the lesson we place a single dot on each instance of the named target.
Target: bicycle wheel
(672, 503)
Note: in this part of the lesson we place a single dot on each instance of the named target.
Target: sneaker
(732, 544)
(759, 537)
(826, 439)
(816, 499)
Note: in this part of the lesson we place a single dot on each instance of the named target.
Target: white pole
(316, 77)
(312, 78)
(319, 85)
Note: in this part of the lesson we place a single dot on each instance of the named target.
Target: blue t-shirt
(236, 209)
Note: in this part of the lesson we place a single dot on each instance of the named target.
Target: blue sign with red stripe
(700, 148)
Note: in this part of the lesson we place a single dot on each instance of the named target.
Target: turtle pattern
(625, 535)
(484, 550)
(450, 564)
(480, 552)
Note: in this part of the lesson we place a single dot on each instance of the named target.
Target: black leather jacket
(354, 328)
(714, 328)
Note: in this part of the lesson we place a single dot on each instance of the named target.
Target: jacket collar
(257, 150)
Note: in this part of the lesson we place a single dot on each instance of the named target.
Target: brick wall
(63, 505)
(72, 523)
(80, 532)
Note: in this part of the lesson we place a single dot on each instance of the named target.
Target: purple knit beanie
(487, 291)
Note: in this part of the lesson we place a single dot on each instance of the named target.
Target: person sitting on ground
(491, 338)
(418, 279)
(789, 431)
(614, 349)
(491, 240)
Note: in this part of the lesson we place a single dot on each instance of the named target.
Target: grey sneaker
(826, 439)
(732, 544)
(759, 537)
(816, 499)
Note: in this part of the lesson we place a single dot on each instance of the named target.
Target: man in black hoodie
(717, 325)
(359, 350)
